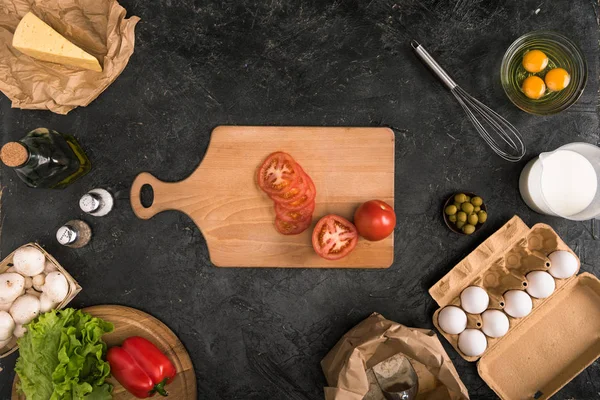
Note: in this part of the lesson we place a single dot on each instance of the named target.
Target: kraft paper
(97, 26)
(376, 339)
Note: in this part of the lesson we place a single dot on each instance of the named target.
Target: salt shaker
(97, 202)
(74, 233)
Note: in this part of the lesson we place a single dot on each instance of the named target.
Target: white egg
(540, 284)
(494, 323)
(474, 300)
(517, 303)
(563, 264)
(472, 342)
(452, 320)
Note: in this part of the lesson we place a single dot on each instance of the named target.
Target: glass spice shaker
(74, 233)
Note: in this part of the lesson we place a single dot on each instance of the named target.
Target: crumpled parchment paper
(97, 26)
(376, 339)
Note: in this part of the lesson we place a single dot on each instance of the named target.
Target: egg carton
(498, 269)
(74, 288)
(544, 350)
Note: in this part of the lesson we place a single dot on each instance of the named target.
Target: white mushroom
(33, 292)
(11, 286)
(19, 331)
(24, 309)
(28, 282)
(29, 261)
(56, 286)
(49, 267)
(46, 304)
(38, 282)
(7, 325)
(5, 306)
(5, 342)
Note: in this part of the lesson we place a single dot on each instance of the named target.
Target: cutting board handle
(161, 190)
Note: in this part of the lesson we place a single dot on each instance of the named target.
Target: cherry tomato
(277, 173)
(334, 237)
(294, 215)
(375, 220)
(292, 228)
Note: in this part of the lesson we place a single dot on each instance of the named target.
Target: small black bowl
(451, 225)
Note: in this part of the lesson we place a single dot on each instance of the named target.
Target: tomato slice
(295, 215)
(292, 228)
(277, 173)
(303, 200)
(334, 237)
(295, 190)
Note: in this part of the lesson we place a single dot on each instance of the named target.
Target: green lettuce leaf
(61, 357)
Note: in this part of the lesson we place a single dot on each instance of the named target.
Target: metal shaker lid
(66, 235)
(89, 202)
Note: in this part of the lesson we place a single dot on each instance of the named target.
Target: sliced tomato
(295, 215)
(292, 228)
(334, 237)
(277, 173)
(295, 190)
(303, 200)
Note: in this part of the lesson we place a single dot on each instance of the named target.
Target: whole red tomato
(375, 220)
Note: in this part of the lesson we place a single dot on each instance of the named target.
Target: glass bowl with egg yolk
(543, 72)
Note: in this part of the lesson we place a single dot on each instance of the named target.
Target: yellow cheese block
(38, 40)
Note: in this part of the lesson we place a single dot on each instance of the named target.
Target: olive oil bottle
(45, 158)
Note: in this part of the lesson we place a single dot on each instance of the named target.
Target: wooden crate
(74, 288)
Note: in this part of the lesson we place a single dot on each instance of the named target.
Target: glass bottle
(45, 158)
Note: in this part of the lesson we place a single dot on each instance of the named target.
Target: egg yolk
(535, 61)
(534, 87)
(557, 79)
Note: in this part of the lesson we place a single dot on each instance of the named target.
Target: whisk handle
(433, 65)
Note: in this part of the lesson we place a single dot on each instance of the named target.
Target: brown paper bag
(376, 339)
(97, 26)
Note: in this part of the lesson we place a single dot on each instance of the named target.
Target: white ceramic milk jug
(564, 182)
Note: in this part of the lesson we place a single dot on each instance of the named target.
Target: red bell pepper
(141, 367)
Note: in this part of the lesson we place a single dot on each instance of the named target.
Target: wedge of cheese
(38, 40)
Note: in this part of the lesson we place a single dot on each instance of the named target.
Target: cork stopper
(14, 154)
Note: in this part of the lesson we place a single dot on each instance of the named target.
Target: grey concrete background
(261, 333)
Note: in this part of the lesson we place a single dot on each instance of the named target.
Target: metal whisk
(500, 134)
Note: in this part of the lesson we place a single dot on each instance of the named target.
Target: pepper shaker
(97, 202)
(74, 233)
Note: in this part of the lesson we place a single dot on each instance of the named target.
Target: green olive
(477, 209)
(472, 219)
(467, 207)
(460, 198)
(468, 229)
(482, 215)
(460, 224)
(451, 210)
(477, 201)
(468, 200)
(457, 205)
(461, 216)
(452, 218)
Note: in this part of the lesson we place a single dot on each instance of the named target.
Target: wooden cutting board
(348, 166)
(131, 322)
